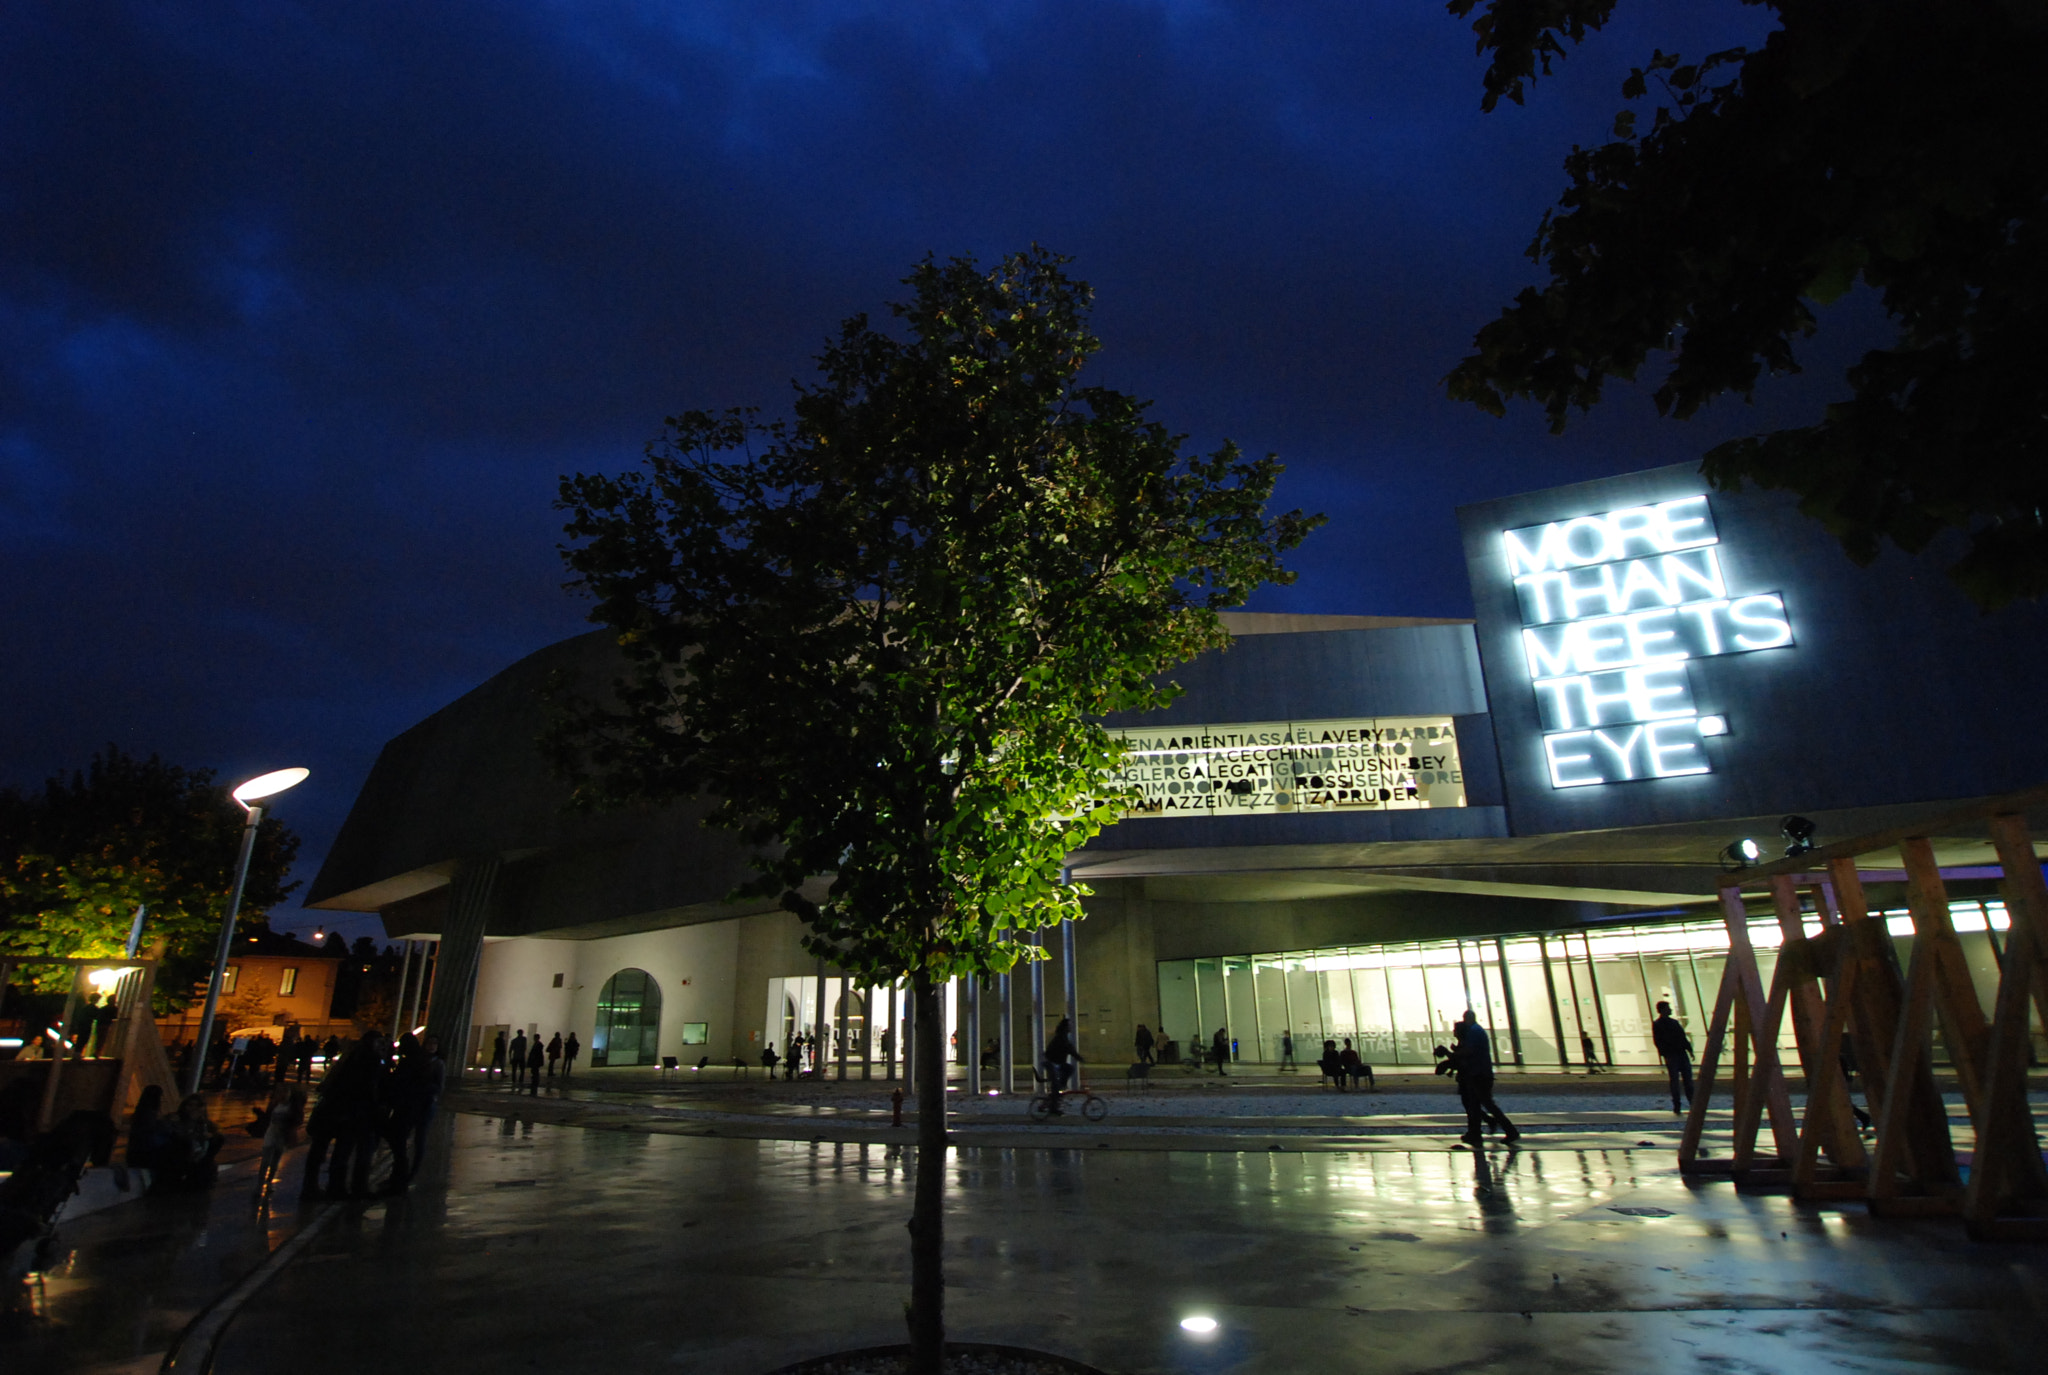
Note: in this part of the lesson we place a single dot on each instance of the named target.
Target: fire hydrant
(896, 1108)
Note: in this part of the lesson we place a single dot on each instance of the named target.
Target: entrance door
(628, 1028)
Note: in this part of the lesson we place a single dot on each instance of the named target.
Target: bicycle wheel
(1041, 1107)
(1095, 1109)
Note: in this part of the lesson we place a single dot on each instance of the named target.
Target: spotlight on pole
(1799, 832)
(251, 796)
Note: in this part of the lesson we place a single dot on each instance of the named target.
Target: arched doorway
(628, 1020)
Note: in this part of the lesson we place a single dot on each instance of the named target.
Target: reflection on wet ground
(538, 1246)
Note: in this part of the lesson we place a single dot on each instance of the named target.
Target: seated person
(185, 1160)
(1331, 1065)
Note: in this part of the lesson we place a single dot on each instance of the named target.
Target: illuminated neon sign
(1613, 606)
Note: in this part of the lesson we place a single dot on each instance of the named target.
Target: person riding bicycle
(1060, 1059)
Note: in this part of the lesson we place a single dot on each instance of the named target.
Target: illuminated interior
(1534, 992)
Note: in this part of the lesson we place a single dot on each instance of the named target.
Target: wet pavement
(529, 1245)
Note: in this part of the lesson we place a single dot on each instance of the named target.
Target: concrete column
(818, 1025)
(909, 1039)
(867, 1032)
(462, 950)
(841, 1020)
(404, 987)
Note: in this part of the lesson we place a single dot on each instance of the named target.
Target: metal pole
(867, 1032)
(1507, 993)
(1006, 1055)
(1072, 982)
(1037, 1000)
(135, 931)
(404, 979)
(227, 943)
(1599, 1003)
(1286, 996)
(973, 1036)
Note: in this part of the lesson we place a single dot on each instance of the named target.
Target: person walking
(280, 1132)
(554, 1053)
(1674, 1048)
(1219, 1050)
(1592, 1054)
(1144, 1044)
(768, 1060)
(518, 1059)
(535, 1058)
(1287, 1052)
(497, 1067)
(1471, 1060)
(571, 1048)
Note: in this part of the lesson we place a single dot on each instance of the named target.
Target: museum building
(1350, 826)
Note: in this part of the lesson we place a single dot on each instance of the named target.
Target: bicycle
(1046, 1102)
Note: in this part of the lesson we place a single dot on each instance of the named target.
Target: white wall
(694, 967)
(515, 985)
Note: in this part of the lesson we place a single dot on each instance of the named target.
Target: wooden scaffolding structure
(1851, 1003)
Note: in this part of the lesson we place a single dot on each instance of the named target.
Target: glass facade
(1545, 997)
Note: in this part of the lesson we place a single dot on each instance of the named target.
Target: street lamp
(251, 795)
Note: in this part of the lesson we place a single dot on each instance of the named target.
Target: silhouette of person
(554, 1053)
(1219, 1050)
(1145, 1043)
(1471, 1060)
(518, 1058)
(1674, 1048)
(497, 1056)
(535, 1058)
(571, 1048)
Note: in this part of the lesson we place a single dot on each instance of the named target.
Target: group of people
(177, 1149)
(528, 1058)
(1346, 1067)
(375, 1093)
(802, 1056)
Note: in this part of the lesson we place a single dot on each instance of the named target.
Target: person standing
(554, 1052)
(1219, 1051)
(1471, 1060)
(1287, 1052)
(535, 1058)
(1144, 1044)
(571, 1048)
(1674, 1048)
(518, 1059)
(497, 1068)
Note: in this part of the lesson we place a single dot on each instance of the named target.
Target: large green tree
(1896, 143)
(79, 855)
(882, 633)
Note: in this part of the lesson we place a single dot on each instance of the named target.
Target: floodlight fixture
(1200, 1324)
(1741, 853)
(1798, 831)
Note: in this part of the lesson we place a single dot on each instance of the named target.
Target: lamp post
(250, 795)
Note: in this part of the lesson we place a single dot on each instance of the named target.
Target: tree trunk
(927, 1315)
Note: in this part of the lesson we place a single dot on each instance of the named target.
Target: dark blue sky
(303, 307)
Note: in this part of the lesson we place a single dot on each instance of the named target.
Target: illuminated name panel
(1395, 763)
(1613, 608)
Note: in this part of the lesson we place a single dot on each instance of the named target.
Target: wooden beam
(1820, 1054)
(2006, 1171)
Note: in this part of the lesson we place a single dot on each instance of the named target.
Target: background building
(1353, 825)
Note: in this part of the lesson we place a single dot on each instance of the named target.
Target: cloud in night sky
(303, 308)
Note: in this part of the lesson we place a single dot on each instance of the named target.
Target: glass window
(287, 982)
(230, 979)
(628, 1030)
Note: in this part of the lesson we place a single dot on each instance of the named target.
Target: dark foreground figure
(1470, 1059)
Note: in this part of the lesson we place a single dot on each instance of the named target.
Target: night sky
(303, 308)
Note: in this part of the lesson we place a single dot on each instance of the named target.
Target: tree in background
(881, 635)
(1881, 141)
(78, 857)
